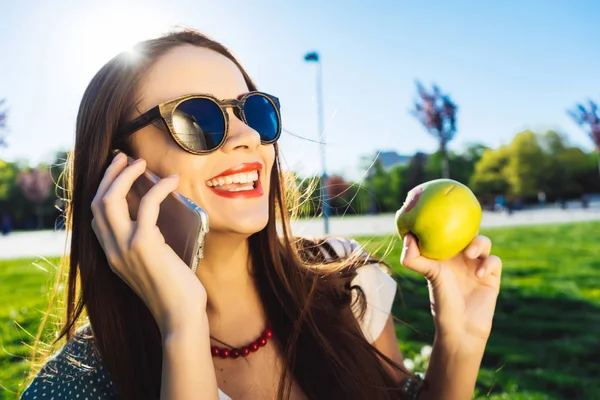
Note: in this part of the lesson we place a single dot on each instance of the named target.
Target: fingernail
(481, 272)
(173, 176)
(406, 240)
(117, 157)
(139, 160)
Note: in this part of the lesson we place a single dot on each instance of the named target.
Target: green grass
(545, 342)
(24, 285)
(546, 337)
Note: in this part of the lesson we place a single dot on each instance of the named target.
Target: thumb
(412, 259)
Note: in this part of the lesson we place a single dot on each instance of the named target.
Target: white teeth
(249, 187)
(246, 177)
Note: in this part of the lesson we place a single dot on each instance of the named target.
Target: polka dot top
(76, 371)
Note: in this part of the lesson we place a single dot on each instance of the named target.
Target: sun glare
(101, 33)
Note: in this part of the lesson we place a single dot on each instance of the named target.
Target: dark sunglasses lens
(199, 124)
(261, 116)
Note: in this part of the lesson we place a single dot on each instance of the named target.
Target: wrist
(453, 367)
(464, 346)
(185, 325)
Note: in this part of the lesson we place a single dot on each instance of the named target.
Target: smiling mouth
(235, 183)
(241, 181)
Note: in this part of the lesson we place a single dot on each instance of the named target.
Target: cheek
(192, 182)
(268, 155)
(189, 167)
(151, 144)
(163, 156)
(171, 162)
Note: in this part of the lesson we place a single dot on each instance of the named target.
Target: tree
(563, 166)
(385, 187)
(8, 173)
(534, 163)
(474, 152)
(588, 178)
(526, 165)
(437, 113)
(35, 185)
(462, 164)
(3, 127)
(415, 173)
(337, 187)
(337, 193)
(589, 117)
(489, 177)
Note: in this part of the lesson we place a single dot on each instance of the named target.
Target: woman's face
(231, 208)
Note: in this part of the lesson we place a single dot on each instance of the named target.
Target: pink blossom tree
(437, 113)
(35, 185)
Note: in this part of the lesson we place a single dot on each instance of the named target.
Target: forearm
(188, 371)
(453, 369)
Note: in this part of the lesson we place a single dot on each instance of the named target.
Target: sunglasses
(199, 123)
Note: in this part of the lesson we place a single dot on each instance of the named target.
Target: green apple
(443, 215)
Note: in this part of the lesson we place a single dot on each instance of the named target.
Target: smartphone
(181, 221)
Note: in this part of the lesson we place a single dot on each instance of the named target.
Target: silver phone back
(183, 223)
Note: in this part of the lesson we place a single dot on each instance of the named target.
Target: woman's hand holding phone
(137, 251)
(138, 254)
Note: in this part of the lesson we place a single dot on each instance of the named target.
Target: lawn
(24, 295)
(545, 342)
(546, 337)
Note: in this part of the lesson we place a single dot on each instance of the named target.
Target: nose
(240, 135)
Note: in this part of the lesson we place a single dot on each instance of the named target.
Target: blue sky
(509, 65)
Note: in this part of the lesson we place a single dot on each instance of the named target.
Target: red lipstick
(243, 194)
(245, 167)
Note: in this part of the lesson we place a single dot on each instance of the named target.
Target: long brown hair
(306, 297)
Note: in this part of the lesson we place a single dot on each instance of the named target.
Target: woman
(266, 316)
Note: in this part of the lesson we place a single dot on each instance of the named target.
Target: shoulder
(75, 371)
(332, 248)
(373, 279)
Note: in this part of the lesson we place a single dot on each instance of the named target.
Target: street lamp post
(314, 57)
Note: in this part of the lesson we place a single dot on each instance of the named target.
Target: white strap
(378, 287)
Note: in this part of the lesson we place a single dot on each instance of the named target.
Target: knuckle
(431, 275)
(113, 261)
(108, 204)
(492, 261)
(484, 239)
(404, 260)
(95, 206)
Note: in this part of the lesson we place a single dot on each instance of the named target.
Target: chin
(245, 224)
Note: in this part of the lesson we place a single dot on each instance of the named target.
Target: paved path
(49, 243)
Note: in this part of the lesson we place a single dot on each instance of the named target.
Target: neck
(233, 298)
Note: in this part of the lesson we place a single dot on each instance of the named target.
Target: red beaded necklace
(225, 352)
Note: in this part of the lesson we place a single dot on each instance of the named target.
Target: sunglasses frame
(165, 111)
